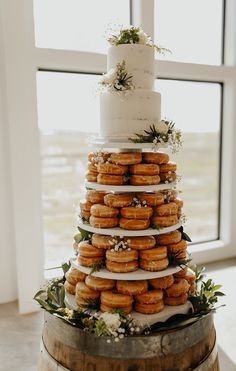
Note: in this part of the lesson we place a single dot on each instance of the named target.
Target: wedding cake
(132, 252)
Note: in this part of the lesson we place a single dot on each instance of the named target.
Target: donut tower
(130, 258)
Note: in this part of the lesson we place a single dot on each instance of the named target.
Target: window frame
(23, 131)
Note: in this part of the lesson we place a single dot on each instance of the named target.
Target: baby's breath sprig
(118, 79)
(162, 132)
(134, 35)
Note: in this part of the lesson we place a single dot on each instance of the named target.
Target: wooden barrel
(65, 347)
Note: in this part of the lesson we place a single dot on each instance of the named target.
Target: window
(65, 120)
(191, 29)
(196, 109)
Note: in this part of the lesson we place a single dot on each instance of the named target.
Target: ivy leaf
(44, 304)
(186, 237)
(66, 267)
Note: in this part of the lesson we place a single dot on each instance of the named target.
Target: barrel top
(163, 343)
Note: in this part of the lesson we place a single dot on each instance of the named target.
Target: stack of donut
(131, 211)
(135, 168)
(73, 276)
(176, 246)
(144, 296)
(90, 255)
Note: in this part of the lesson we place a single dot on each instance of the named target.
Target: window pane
(195, 107)
(68, 110)
(77, 24)
(192, 29)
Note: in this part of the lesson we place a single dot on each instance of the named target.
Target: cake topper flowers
(117, 79)
(134, 35)
(163, 131)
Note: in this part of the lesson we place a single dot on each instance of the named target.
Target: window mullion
(142, 14)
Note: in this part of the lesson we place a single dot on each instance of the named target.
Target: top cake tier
(139, 60)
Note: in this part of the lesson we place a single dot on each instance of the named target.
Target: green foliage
(184, 235)
(82, 235)
(96, 267)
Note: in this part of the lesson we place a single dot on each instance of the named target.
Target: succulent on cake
(134, 35)
(162, 132)
(117, 79)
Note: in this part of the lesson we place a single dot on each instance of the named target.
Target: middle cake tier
(124, 116)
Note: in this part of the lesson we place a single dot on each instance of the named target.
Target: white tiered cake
(132, 251)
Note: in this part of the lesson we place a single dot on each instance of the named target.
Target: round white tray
(121, 144)
(125, 232)
(143, 319)
(129, 188)
(140, 274)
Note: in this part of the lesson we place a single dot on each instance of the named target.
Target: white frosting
(122, 116)
(139, 60)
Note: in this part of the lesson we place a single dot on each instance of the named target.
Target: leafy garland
(116, 325)
(134, 35)
(161, 132)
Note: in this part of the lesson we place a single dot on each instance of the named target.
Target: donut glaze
(155, 157)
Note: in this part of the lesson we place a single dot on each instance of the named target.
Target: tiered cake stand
(140, 274)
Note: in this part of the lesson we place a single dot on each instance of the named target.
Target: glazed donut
(89, 262)
(155, 157)
(115, 299)
(149, 308)
(121, 267)
(132, 212)
(140, 243)
(144, 179)
(85, 215)
(97, 222)
(178, 202)
(104, 211)
(178, 249)
(119, 200)
(179, 287)
(95, 197)
(157, 253)
(91, 176)
(89, 251)
(85, 292)
(182, 273)
(126, 158)
(168, 177)
(162, 282)
(149, 297)
(107, 308)
(169, 166)
(69, 288)
(123, 256)
(92, 167)
(179, 300)
(151, 199)
(155, 265)
(144, 169)
(99, 284)
(113, 169)
(169, 195)
(85, 205)
(132, 287)
(134, 224)
(164, 221)
(102, 242)
(98, 157)
(165, 209)
(108, 179)
(74, 275)
(168, 238)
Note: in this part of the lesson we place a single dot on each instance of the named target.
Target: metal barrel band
(209, 360)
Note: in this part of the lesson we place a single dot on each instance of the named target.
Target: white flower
(143, 37)
(112, 320)
(162, 127)
(109, 77)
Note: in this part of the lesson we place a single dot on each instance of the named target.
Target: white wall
(8, 286)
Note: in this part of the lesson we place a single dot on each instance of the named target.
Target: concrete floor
(20, 335)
